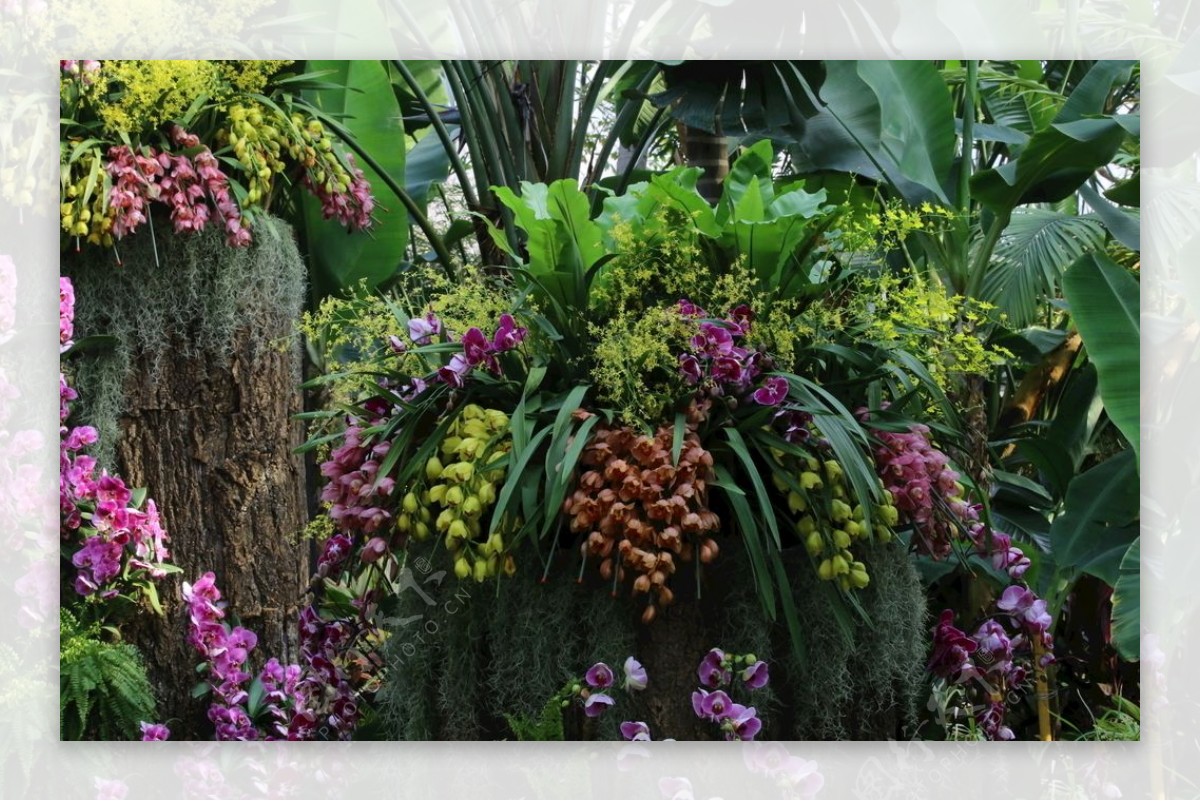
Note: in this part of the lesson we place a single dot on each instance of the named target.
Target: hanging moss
(483, 651)
(505, 648)
(190, 294)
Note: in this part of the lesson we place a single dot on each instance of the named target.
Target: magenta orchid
(596, 704)
(772, 393)
(635, 730)
(741, 723)
(600, 676)
(422, 330)
(153, 732)
(713, 671)
(756, 676)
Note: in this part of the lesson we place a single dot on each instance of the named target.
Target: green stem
(967, 160)
(968, 137)
(443, 134)
(984, 257)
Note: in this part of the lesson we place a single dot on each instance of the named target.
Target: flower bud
(410, 502)
(433, 469)
(825, 570)
(461, 568)
(814, 544)
(481, 571)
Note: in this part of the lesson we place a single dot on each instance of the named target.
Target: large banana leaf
(1099, 520)
(1104, 301)
(1127, 604)
(888, 120)
(366, 106)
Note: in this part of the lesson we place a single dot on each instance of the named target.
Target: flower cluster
(711, 702)
(594, 691)
(830, 517)
(478, 349)
(127, 116)
(640, 510)
(352, 206)
(991, 662)
(225, 653)
(921, 482)
(325, 690)
(461, 493)
(928, 494)
(119, 540)
(721, 367)
(356, 493)
(280, 711)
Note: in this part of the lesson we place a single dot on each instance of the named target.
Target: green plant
(103, 689)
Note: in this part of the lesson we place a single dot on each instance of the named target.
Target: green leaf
(1098, 522)
(1127, 604)
(917, 120)
(1123, 225)
(677, 438)
(750, 538)
(1053, 165)
(765, 507)
(426, 164)
(890, 121)
(366, 106)
(1105, 302)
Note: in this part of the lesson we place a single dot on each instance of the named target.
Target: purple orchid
(728, 370)
(599, 675)
(712, 670)
(455, 372)
(741, 723)
(475, 346)
(756, 675)
(995, 650)
(596, 703)
(713, 340)
(715, 705)
(635, 675)
(154, 732)
(689, 367)
(422, 330)
(689, 309)
(772, 392)
(635, 730)
(1028, 609)
(952, 649)
(741, 316)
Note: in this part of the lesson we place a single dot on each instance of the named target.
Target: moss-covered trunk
(197, 402)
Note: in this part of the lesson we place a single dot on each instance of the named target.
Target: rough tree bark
(206, 423)
(213, 439)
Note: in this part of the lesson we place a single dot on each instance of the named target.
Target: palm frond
(1028, 262)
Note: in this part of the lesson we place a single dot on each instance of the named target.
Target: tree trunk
(206, 423)
(710, 152)
(213, 440)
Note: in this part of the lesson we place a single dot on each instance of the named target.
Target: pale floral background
(1165, 35)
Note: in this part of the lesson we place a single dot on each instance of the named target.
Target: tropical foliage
(894, 314)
